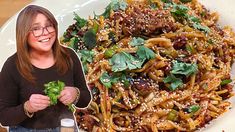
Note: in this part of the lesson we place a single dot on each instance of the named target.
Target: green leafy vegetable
(175, 82)
(179, 12)
(122, 5)
(108, 80)
(80, 21)
(86, 57)
(107, 11)
(114, 5)
(53, 89)
(225, 82)
(122, 61)
(137, 41)
(179, 68)
(184, 68)
(73, 43)
(145, 53)
(89, 39)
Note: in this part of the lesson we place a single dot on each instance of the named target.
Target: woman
(39, 59)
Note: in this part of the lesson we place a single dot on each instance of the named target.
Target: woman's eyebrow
(38, 24)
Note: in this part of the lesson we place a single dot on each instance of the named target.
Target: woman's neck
(42, 60)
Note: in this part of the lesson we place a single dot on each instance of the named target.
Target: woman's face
(42, 35)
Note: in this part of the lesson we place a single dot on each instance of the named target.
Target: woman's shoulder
(71, 51)
(11, 61)
(10, 64)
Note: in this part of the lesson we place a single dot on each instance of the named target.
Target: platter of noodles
(153, 65)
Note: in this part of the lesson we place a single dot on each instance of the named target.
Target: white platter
(63, 11)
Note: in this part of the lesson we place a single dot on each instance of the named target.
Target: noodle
(153, 68)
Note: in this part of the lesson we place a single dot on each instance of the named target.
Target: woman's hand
(37, 102)
(68, 95)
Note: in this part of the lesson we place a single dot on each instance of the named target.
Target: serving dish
(63, 12)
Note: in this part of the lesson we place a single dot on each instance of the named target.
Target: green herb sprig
(53, 90)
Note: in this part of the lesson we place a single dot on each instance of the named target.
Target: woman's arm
(11, 110)
(80, 83)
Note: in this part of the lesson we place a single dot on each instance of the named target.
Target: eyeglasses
(38, 31)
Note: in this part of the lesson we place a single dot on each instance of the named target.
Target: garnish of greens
(86, 57)
(53, 89)
(114, 5)
(126, 61)
(180, 13)
(108, 80)
(179, 69)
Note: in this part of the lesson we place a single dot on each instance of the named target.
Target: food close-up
(153, 65)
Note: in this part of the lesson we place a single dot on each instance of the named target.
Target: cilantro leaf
(114, 5)
(145, 53)
(137, 41)
(123, 5)
(107, 11)
(179, 68)
(118, 62)
(123, 61)
(107, 80)
(175, 82)
(73, 43)
(53, 89)
(184, 68)
(89, 39)
(118, 5)
(179, 12)
(80, 21)
(86, 57)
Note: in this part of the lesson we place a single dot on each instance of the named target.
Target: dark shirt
(15, 90)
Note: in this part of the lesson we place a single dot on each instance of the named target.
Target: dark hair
(23, 26)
